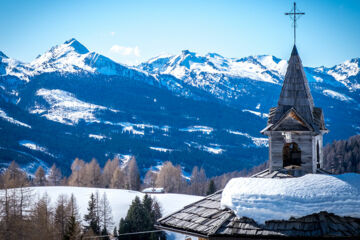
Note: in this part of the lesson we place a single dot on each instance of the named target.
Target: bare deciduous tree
(92, 174)
(106, 219)
(108, 172)
(40, 178)
(55, 176)
(133, 175)
(170, 178)
(118, 179)
(78, 173)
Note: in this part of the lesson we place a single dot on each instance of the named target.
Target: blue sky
(136, 30)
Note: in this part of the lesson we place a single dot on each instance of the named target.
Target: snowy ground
(265, 199)
(119, 199)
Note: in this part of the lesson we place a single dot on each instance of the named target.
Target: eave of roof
(206, 219)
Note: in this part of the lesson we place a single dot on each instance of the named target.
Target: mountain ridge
(187, 108)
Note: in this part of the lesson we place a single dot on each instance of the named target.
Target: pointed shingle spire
(295, 92)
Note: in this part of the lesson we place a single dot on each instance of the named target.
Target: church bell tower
(295, 127)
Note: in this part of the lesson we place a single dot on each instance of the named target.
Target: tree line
(170, 177)
(343, 156)
(339, 157)
(23, 215)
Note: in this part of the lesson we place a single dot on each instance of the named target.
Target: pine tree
(136, 220)
(105, 234)
(41, 219)
(60, 218)
(72, 230)
(91, 217)
(141, 216)
(115, 232)
(211, 188)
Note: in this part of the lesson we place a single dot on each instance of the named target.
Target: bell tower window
(291, 155)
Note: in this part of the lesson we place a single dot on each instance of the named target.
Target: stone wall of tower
(305, 140)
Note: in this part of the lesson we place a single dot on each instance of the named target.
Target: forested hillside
(343, 155)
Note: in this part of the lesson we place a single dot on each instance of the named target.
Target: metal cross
(294, 15)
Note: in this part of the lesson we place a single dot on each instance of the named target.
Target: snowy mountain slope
(347, 73)
(205, 110)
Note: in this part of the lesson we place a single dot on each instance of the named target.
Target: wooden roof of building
(206, 219)
(295, 94)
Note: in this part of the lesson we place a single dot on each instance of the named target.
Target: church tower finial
(294, 15)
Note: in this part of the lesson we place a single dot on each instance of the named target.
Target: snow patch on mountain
(4, 116)
(259, 142)
(97, 136)
(203, 129)
(65, 108)
(34, 146)
(161, 149)
(213, 149)
(129, 128)
(336, 95)
(259, 114)
(124, 159)
(31, 145)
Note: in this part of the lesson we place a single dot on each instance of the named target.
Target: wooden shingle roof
(295, 91)
(206, 219)
(295, 94)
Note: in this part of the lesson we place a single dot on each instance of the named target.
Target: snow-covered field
(265, 199)
(119, 199)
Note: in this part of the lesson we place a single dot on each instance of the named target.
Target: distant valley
(192, 110)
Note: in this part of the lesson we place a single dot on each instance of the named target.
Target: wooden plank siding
(305, 143)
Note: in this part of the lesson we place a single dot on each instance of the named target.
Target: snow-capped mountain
(67, 58)
(195, 110)
(191, 67)
(214, 72)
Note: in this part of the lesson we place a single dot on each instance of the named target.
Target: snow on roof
(265, 199)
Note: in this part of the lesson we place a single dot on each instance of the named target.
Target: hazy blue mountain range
(189, 109)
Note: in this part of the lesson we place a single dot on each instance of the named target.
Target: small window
(291, 155)
(317, 155)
